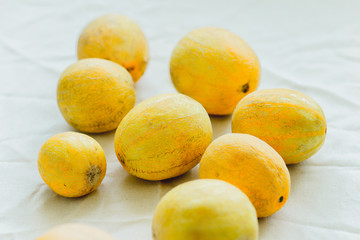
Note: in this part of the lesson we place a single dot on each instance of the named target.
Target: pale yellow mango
(94, 94)
(72, 164)
(216, 68)
(251, 165)
(117, 38)
(206, 209)
(289, 121)
(75, 231)
(163, 137)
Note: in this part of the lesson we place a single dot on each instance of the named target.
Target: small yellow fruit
(116, 38)
(289, 121)
(163, 137)
(215, 67)
(205, 209)
(253, 166)
(95, 94)
(74, 231)
(72, 164)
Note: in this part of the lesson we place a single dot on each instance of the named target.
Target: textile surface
(309, 46)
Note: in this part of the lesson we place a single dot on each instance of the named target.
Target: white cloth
(310, 46)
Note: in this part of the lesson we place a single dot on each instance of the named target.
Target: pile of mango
(243, 174)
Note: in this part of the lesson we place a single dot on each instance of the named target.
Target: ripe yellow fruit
(95, 94)
(163, 137)
(215, 67)
(116, 38)
(72, 164)
(289, 121)
(253, 166)
(205, 209)
(75, 231)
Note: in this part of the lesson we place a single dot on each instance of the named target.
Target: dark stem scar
(281, 199)
(129, 69)
(245, 88)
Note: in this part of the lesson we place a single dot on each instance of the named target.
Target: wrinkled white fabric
(310, 46)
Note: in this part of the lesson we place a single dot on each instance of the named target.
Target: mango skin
(205, 209)
(116, 38)
(72, 164)
(163, 137)
(75, 231)
(253, 166)
(216, 68)
(94, 94)
(289, 121)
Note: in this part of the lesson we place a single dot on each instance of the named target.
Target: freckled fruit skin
(72, 164)
(163, 137)
(253, 166)
(74, 231)
(289, 121)
(206, 209)
(94, 94)
(215, 67)
(116, 38)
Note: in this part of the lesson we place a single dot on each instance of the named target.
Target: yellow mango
(117, 38)
(163, 137)
(215, 67)
(289, 121)
(94, 94)
(253, 166)
(72, 164)
(75, 231)
(205, 209)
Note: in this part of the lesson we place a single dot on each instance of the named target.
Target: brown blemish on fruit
(93, 175)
